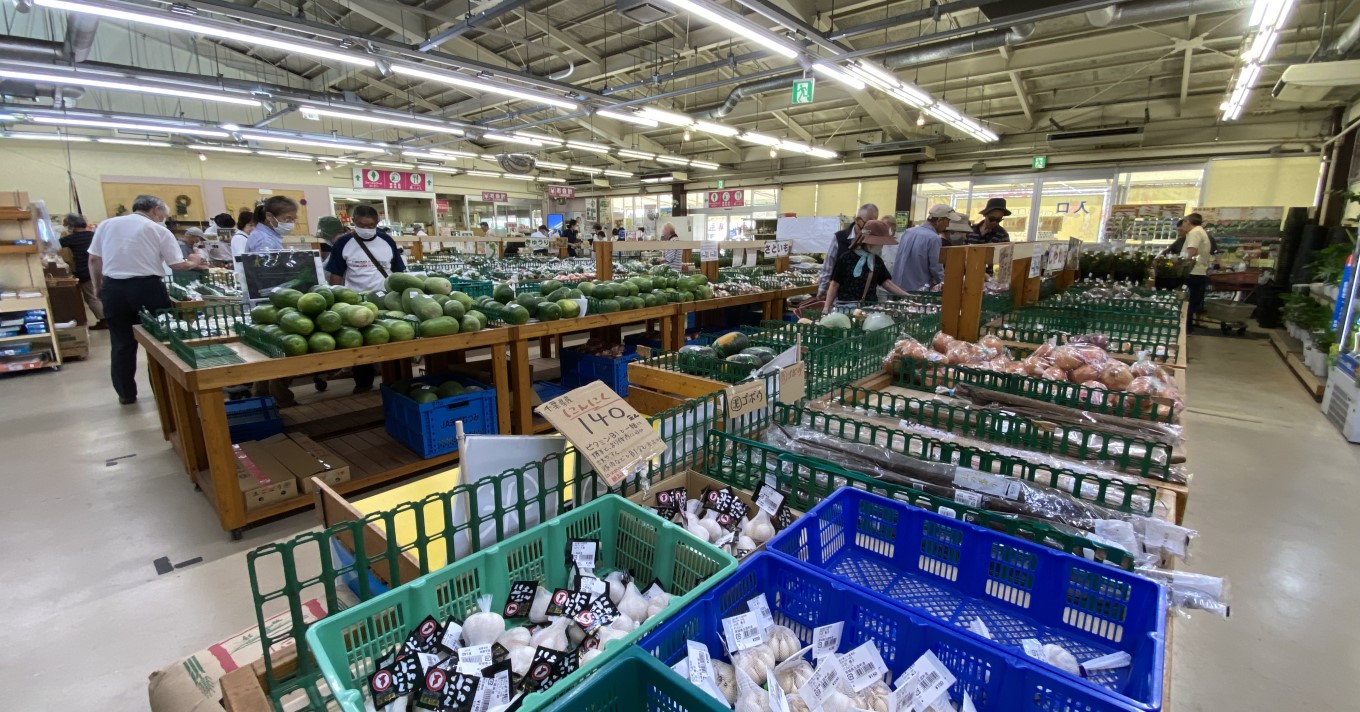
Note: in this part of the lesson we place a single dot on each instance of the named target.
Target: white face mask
(284, 228)
(367, 233)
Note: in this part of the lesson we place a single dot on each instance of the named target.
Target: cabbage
(836, 320)
(876, 321)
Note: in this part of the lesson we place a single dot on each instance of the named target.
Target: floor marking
(189, 562)
(163, 565)
(1220, 414)
(114, 461)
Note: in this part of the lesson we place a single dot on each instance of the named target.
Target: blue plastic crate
(253, 419)
(580, 369)
(428, 428)
(803, 599)
(954, 572)
(636, 682)
(547, 390)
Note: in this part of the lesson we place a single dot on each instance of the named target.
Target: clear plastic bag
(1188, 591)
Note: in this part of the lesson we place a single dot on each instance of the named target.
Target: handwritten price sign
(778, 248)
(613, 437)
(748, 397)
(538, 243)
(793, 383)
(708, 252)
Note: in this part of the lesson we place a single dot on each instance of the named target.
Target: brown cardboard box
(306, 459)
(13, 199)
(74, 342)
(695, 484)
(262, 478)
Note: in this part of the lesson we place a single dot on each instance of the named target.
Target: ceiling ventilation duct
(906, 154)
(1097, 138)
(1309, 83)
(644, 12)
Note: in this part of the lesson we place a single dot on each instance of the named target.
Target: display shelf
(11, 213)
(9, 248)
(22, 304)
(15, 368)
(23, 337)
(1293, 357)
(21, 270)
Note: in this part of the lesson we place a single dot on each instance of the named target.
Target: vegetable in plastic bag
(484, 627)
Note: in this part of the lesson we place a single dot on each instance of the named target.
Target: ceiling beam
(1185, 66)
(570, 42)
(794, 127)
(1022, 97)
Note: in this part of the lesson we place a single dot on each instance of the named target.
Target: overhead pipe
(1141, 13)
(470, 23)
(938, 52)
(24, 48)
(929, 13)
(80, 28)
(735, 96)
(1346, 42)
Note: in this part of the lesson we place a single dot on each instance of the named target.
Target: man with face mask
(917, 265)
(127, 262)
(362, 259)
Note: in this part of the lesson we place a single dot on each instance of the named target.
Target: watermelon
(285, 298)
(294, 345)
(325, 292)
(264, 314)
(549, 287)
(503, 293)
(345, 295)
(375, 334)
(295, 323)
(548, 311)
(320, 342)
(402, 281)
(455, 309)
(348, 338)
(329, 322)
(471, 323)
(516, 315)
(569, 308)
(438, 285)
(312, 304)
(449, 389)
(439, 326)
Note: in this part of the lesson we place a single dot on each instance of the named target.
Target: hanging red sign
(379, 179)
(726, 198)
(494, 196)
(561, 191)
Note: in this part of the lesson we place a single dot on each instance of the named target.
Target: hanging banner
(561, 191)
(494, 196)
(726, 198)
(378, 179)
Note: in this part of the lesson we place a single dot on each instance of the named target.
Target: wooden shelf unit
(21, 269)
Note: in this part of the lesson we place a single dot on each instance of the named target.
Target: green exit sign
(802, 91)
(722, 184)
(1039, 163)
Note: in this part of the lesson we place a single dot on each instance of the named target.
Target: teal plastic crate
(348, 644)
(636, 682)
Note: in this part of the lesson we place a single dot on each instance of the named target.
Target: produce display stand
(191, 405)
(21, 268)
(1290, 350)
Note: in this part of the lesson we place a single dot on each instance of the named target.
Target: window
(1072, 208)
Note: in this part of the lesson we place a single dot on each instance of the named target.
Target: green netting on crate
(1130, 335)
(201, 322)
(1145, 458)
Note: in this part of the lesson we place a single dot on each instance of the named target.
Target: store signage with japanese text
(561, 191)
(378, 179)
(726, 198)
(494, 196)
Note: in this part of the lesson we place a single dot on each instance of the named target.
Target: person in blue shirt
(362, 259)
(275, 219)
(917, 264)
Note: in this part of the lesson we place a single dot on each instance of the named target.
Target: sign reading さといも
(379, 179)
(726, 198)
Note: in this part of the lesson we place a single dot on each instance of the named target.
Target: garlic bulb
(608, 635)
(1058, 657)
(783, 643)
(754, 701)
(516, 637)
(693, 526)
(693, 506)
(538, 610)
(484, 627)
(658, 603)
(575, 635)
(725, 676)
(746, 543)
(837, 701)
(875, 697)
(755, 662)
(554, 636)
(710, 523)
(759, 527)
(616, 581)
(796, 703)
(589, 655)
(633, 604)
(624, 623)
(793, 676)
(521, 658)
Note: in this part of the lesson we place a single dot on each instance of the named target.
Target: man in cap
(917, 265)
(840, 241)
(989, 230)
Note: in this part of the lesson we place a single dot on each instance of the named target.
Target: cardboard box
(14, 199)
(695, 484)
(305, 458)
(262, 478)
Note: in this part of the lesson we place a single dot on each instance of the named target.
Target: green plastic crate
(1145, 458)
(348, 643)
(636, 682)
(260, 340)
(201, 322)
(806, 481)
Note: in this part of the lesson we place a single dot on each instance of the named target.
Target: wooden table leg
(521, 387)
(545, 347)
(221, 463)
(500, 378)
(189, 426)
(159, 391)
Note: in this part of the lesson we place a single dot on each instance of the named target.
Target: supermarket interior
(662, 355)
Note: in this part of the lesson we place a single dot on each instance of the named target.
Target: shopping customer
(989, 229)
(859, 270)
(362, 259)
(917, 265)
(275, 219)
(77, 239)
(675, 259)
(127, 263)
(839, 242)
(1199, 248)
(572, 237)
(240, 237)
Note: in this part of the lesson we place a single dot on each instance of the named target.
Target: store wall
(1261, 182)
(838, 197)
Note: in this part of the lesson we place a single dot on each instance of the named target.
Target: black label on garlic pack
(520, 597)
(543, 669)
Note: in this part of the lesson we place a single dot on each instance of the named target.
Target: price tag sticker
(924, 682)
(761, 607)
(968, 499)
(821, 682)
(1036, 265)
(769, 500)
(987, 483)
(744, 631)
(473, 659)
(748, 397)
(863, 666)
(700, 663)
(591, 585)
(582, 553)
(451, 635)
(779, 702)
(614, 438)
(826, 640)
(793, 383)
(708, 252)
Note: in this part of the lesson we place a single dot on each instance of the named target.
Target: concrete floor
(1275, 501)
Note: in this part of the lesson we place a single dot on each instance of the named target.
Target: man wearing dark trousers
(127, 265)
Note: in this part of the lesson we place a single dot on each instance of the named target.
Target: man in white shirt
(1199, 248)
(127, 265)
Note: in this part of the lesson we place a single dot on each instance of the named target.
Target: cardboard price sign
(708, 252)
(778, 248)
(614, 438)
(1036, 264)
(538, 243)
(793, 382)
(747, 397)
(1073, 253)
(1004, 255)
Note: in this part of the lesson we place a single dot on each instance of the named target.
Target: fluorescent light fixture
(8, 117)
(618, 174)
(744, 29)
(640, 155)
(128, 126)
(335, 159)
(337, 145)
(488, 157)
(551, 165)
(484, 174)
(47, 137)
(385, 120)
(430, 156)
(258, 37)
(391, 164)
(135, 142)
(666, 117)
(586, 169)
(715, 129)
(87, 80)
(761, 139)
(516, 176)
(219, 149)
(659, 179)
(440, 169)
(285, 154)
(507, 138)
(874, 74)
(704, 165)
(913, 95)
(835, 74)
(467, 82)
(672, 160)
(587, 146)
(451, 153)
(1270, 13)
(541, 138)
(627, 116)
(550, 179)
(794, 146)
(944, 112)
(822, 153)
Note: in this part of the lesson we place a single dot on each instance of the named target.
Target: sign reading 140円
(726, 198)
